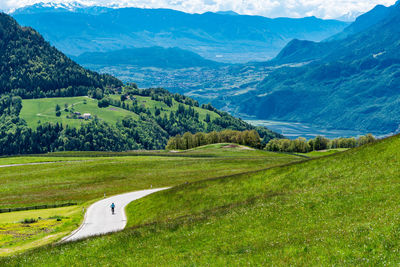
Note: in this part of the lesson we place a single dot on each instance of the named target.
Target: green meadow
(147, 102)
(42, 110)
(84, 180)
(335, 210)
(24, 230)
(84, 177)
(321, 153)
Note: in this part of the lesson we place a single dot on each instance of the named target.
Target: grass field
(214, 150)
(321, 153)
(81, 181)
(43, 110)
(49, 226)
(84, 177)
(36, 159)
(153, 104)
(336, 210)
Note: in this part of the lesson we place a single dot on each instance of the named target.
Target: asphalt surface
(99, 219)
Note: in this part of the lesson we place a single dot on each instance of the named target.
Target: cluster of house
(84, 116)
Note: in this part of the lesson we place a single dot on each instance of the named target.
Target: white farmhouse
(86, 116)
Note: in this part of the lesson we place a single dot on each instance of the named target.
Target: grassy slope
(315, 154)
(86, 180)
(43, 110)
(153, 104)
(341, 209)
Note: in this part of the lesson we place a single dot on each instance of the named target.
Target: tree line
(188, 140)
(301, 145)
(96, 135)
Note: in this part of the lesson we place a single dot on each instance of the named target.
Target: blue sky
(268, 8)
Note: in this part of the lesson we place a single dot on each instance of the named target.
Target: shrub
(28, 221)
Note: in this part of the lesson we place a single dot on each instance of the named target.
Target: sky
(269, 8)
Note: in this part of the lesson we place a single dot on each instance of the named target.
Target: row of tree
(301, 145)
(158, 94)
(188, 140)
(96, 135)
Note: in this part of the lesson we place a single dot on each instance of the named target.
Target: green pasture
(337, 210)
(43, 110)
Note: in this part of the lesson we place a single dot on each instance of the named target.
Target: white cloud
(268, 8)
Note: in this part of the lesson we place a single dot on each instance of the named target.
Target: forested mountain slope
(353, 83)
(30, 67)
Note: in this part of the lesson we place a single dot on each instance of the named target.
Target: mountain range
(351, 81)
(223, 37)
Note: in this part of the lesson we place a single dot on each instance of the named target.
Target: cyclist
(112, 208)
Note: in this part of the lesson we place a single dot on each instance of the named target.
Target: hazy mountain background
(217, 36)
(155, 56)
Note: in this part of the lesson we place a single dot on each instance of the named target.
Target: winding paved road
(99, 220)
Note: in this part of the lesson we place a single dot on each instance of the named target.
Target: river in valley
(294, 130)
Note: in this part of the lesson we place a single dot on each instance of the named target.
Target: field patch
(23, 230)
(35, 111)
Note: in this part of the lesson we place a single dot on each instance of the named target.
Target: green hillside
(122, 119)
(152, 105)
(336, 210)
(83, 177)
(42, 110)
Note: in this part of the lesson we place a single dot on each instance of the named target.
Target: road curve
(99, 220)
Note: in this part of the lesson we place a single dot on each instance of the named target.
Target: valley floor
(294, 130)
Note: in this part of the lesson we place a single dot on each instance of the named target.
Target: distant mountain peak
(61, 7)
(228, 12)
(349, 16)
(50, 5)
